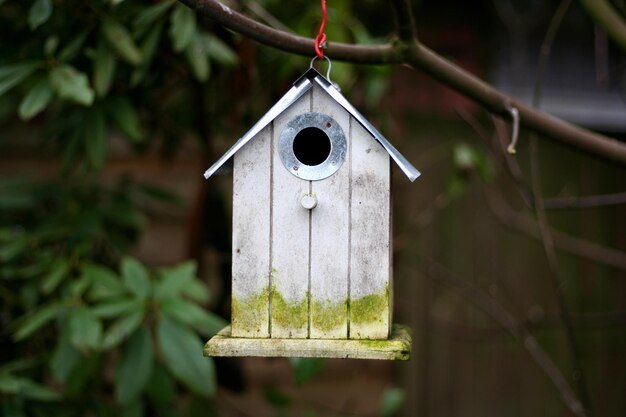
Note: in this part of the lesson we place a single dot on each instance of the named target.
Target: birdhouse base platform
(397, 347)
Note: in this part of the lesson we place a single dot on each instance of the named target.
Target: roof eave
(301, 86)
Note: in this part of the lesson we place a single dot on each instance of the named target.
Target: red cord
(320, 39)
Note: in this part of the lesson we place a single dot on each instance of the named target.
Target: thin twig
(576, 246)
(542, 219)
(501, 315)
(524, 224)
(419, 56)
(269, 18)
(588, 201)
(405, 22)
(609, 19)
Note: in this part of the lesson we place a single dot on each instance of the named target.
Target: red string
(320, 39)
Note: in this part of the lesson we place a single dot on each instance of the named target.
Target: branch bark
(606, 17)
(420, 57)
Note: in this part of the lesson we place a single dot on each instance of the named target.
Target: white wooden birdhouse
(311, 262)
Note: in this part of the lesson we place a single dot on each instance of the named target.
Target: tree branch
(405, 22)
(423, 58)
(608, 19)
(508, 321)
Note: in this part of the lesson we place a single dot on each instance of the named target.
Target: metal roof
(301, 86)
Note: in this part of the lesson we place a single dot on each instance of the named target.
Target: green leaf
(34, 321)
(391, 401)
(12, 75)
(96, 140)
(135, 277)
(197, 291)
(218, 50)
(174, 280)
(134, 409)
(182, 27)
(39, 13)
(306, 368)
(26, 388)
(58, 271)
(71, 84)
(85, 329)
(151, 14)
(10, 250)
(104, 69)
(122, 42)
(182, 352)
(117, 307)
(276, 397)
(36, 100)
(51, 45)
(135, 367)
(197, 58)
(191, 314)
(104, 282)
(148, 48)
(161, 387)
(74, 47)
(125, 117)
(122, 328)
(65, 358)
(87, 370)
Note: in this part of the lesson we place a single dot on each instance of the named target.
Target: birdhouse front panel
(311, 227)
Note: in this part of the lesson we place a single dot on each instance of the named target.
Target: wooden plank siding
(330, 240)
(290, 241)
(369, 239)
(319, 274)
(251, 237)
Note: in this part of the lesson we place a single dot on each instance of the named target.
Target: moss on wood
(327, 316)
(371, 308)
(249, 314)
(289, 315)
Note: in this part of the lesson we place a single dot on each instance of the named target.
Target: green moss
(289, 315)
(371, 308)
(250, 314)
(326, 315)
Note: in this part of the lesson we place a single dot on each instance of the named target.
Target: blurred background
(115, 252)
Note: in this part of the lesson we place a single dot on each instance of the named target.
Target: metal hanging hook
(515, 130)
(330, 64)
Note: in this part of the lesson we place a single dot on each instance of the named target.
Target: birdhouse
(311, 239)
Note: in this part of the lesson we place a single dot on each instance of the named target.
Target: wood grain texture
(369, 240)
(330, 222)
(251, 237)
(398, 347)
(290, 241)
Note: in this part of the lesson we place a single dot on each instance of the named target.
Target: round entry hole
(311, 146)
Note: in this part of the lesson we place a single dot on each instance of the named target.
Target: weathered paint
(369, 237)
(397, 347)
(330, 267)
(330, 243)
(289, 238)
(251, 236)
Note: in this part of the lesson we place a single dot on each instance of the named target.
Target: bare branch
(547, 239)
(584, 201)
(405, 22)
(576, 246)
(507, 320)
(423, 58)
(605, 16)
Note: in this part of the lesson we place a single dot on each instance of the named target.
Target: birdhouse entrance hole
(311, 146)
